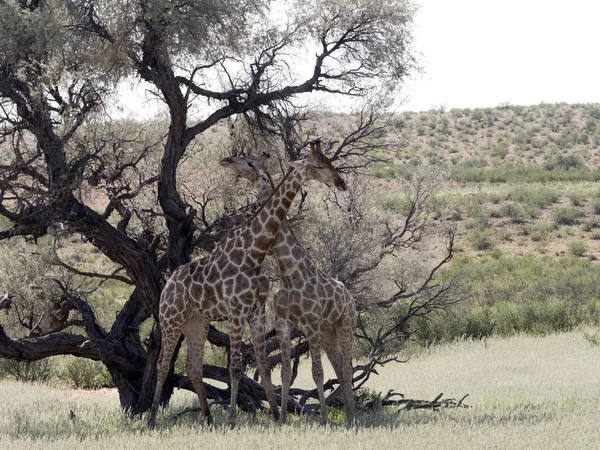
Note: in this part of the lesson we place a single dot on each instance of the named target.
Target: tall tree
(61, 63)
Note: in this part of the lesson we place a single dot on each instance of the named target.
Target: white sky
(480, 53)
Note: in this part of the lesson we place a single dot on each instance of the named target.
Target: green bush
(40, 371)
(596, 206)
(504, 319)
(590, 224)
(568, 215)
(576, 199)
(514, 211)
(539, 231)
(577, 248)
(83, 373)
(565, 162)
(539, 196)
(481, 239)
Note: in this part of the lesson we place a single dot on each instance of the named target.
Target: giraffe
(227, 285)
(320, 306)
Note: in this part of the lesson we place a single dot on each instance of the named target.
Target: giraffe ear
(295, 164)
(315, 147)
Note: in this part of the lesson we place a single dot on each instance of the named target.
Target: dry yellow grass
(524, 392)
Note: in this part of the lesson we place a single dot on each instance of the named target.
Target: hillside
(521, 179)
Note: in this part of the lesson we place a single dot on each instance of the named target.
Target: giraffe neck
(285, 244)
(265, 226)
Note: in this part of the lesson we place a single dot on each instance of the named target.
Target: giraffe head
(252, 169)
(319, 167)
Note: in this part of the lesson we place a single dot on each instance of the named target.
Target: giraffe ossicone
(320, 306)
(227, 285)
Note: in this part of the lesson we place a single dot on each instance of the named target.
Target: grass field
(524, 392)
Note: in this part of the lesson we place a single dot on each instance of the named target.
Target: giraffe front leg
(257, 327)
(169, 339)
(236, 329)
(283, 329)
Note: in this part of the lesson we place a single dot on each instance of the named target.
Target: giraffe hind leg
(195, 331)
(257, 327)
(314, 343)
(339, 351)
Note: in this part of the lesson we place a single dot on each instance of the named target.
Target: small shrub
(565, 162)
(506, 235)
(514, 211)
(85, 373)
(539, 197)
(539, 231)
(577, 248)
(479, 323)
(596, 206)
(477, 223)
(576, 199)
(495, 198)
(481, 240)
(396, 204)
(40, 371)
(590, 224)
(568, 215)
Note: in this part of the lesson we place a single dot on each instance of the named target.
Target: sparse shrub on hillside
(540, 196)
(481, 239)
(590, 224)
(568, 215)
(539, 231)
(596, 206)
(478, 222)
(578, 248)
(568, 162)
(495, 213)
(576, 198)
(515, 211)
(506, 235)
(390, 171)
(501, 150)
(394, 203)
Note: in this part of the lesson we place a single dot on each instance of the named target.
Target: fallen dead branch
(435, 404)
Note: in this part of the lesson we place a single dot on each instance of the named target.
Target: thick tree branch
(34, 349)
